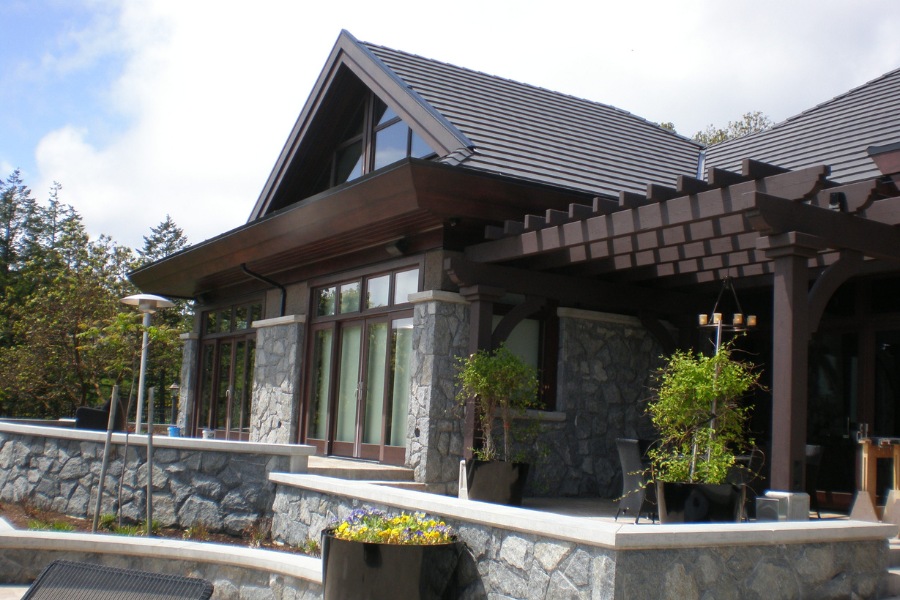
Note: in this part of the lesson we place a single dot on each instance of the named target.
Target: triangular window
(376, 137)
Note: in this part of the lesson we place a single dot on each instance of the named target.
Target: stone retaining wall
(222, 485)
(524, 554)
(236, 573)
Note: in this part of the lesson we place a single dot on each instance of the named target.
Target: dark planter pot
(364, 571)
(700, 502)
(496, 481)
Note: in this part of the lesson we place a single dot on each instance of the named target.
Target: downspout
(270, 282)
(701, 164)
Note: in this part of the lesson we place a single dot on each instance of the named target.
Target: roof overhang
(408, 199)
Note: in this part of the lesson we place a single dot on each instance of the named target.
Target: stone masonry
(604, 374)
(434, 431)
(276, 379)
(224, 491)
(503, 562)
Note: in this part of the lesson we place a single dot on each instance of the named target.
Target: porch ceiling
(699, 231)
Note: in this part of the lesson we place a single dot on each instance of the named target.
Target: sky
(142, 109)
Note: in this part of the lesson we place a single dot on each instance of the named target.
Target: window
(357, 399)
(377, 138)
(227, 357)
(536, 342)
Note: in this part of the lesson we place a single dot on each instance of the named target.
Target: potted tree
(701, 421)
(502, 386)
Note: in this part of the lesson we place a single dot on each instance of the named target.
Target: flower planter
(700, 502)
(369, 571)
(496, 481)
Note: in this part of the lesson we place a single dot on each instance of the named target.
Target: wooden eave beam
(769, 215)
(577, 291)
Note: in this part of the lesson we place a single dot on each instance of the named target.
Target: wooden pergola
(794, 232)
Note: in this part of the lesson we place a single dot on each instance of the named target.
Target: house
(420, 211)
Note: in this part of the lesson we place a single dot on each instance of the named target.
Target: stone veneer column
(276, 379)
(189, 373)
(434, 432)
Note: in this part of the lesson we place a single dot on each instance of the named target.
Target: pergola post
(481, 315)
(790, 357)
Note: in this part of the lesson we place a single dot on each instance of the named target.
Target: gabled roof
(496, 125)
(836, 133)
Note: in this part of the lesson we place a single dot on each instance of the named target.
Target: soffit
(408, 199)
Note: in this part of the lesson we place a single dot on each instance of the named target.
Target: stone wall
(434, 430)
(604, 376)
(223, 485)
(276, 379)
(519, 554)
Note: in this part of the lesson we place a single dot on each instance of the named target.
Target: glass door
(225, 386)
(359, 388)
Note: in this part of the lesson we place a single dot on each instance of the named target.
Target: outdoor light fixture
(715, 319)
(147, 304)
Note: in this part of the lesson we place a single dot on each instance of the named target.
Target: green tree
(65, 337)
(751, 122)
(165, 350)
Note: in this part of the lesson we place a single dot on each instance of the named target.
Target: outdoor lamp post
(147, 304)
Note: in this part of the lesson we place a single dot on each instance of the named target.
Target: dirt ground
(23, 516)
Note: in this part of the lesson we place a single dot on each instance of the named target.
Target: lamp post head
(147, 303)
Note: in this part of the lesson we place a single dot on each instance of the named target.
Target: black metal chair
(813, 462)
(635, 481)
(97, 419)
(70, 580)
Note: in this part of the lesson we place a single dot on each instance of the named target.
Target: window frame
(371, 128)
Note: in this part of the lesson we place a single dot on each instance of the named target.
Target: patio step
(358, 470)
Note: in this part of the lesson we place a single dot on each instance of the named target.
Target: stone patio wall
(222, 485)
(520, 554)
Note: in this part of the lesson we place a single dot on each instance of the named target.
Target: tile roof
(535, 134)
(835, 133)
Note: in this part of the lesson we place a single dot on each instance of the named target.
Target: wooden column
(481, 315)
(790, 357)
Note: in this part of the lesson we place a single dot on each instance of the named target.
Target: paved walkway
(12, 592)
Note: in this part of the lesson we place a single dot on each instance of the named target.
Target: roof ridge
(530, 86)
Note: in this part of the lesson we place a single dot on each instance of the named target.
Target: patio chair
(635, 481)
(813, 462)
(70, 580)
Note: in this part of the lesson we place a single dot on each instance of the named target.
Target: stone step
(358, 470)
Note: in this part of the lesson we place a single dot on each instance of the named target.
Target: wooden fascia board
(414, 110)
